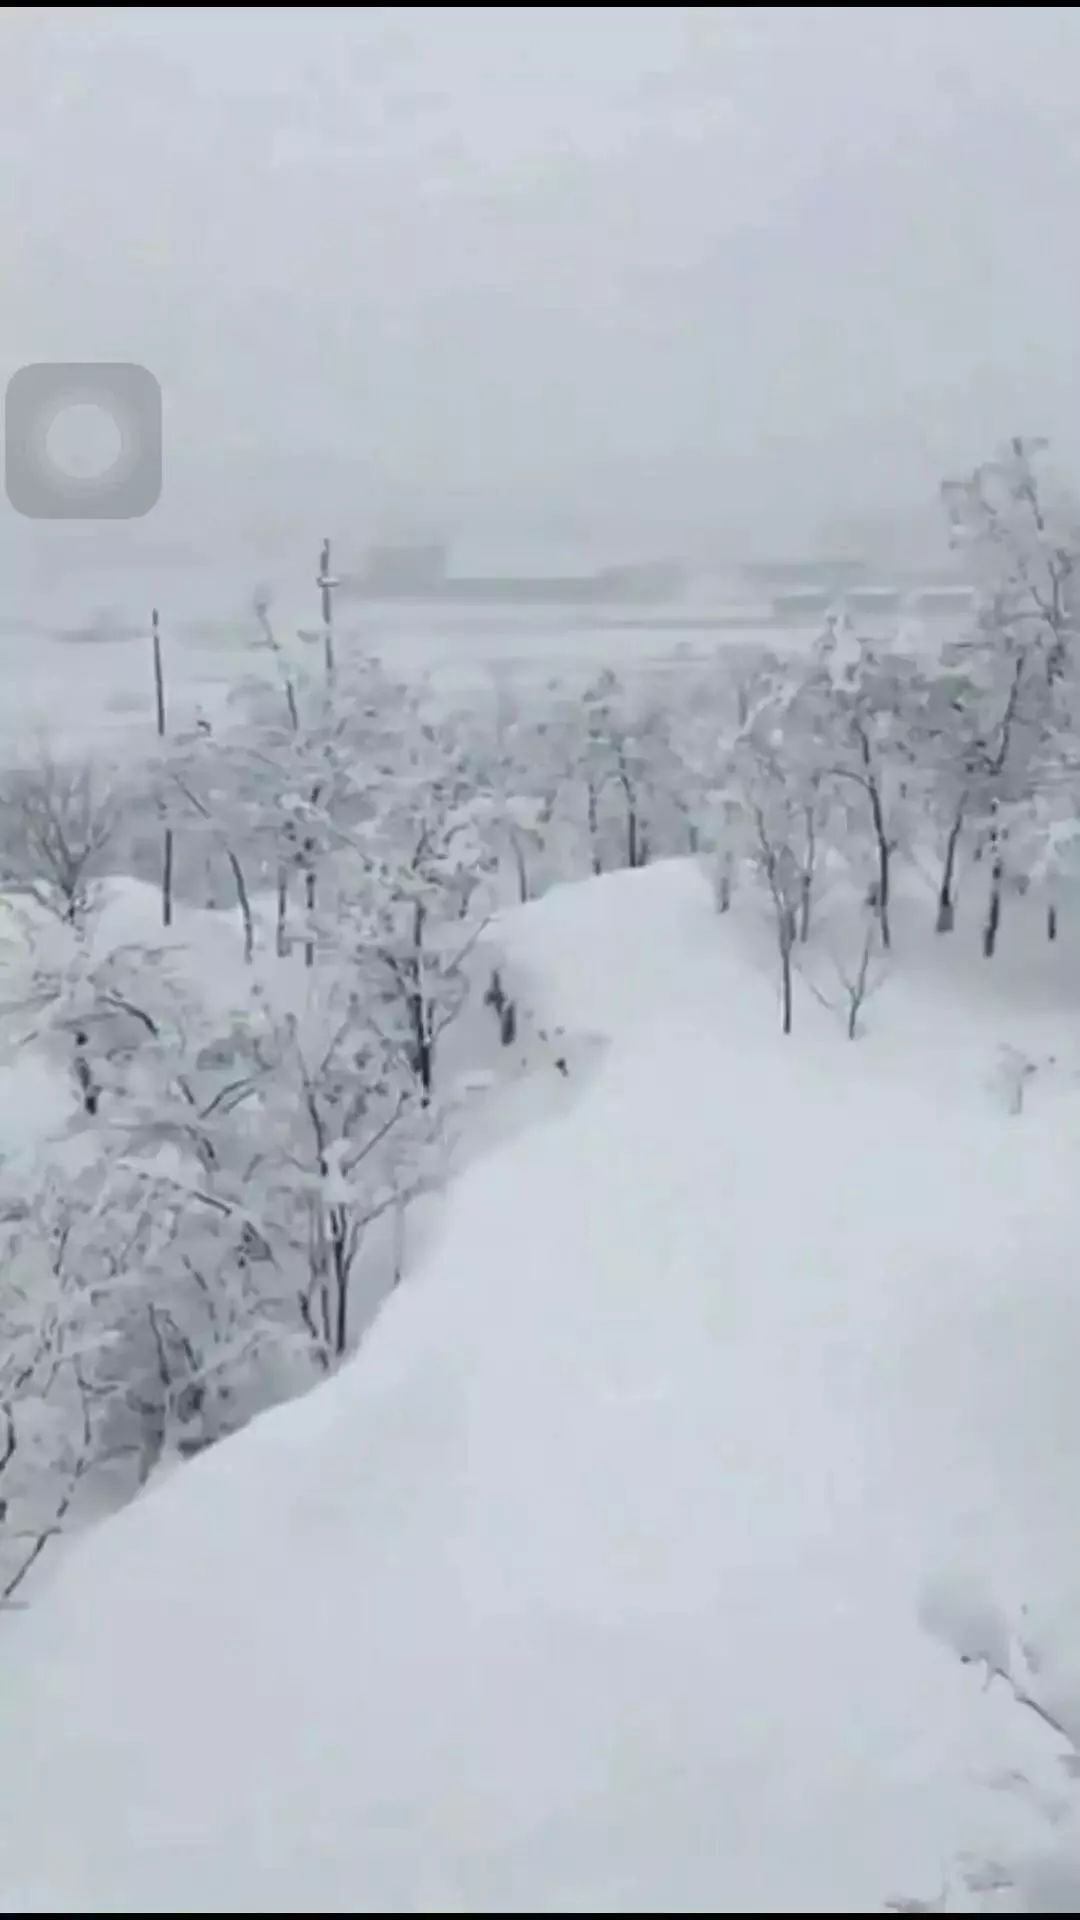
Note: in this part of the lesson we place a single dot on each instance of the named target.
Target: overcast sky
(749, 264)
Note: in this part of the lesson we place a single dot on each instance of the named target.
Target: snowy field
(74, 651)
(595, 1581)
(94, 692)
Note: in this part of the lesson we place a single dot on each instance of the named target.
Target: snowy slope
(594, 1582)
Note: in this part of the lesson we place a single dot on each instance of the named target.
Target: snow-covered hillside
(596, 1581)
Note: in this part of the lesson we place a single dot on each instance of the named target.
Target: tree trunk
(399, 1243)
(785, 984)
(280, 935)
(309, 852)
(167, 878)
(243, 902)
(1051, 921)
(634, 849)
(159, 676)
(993, 912)
(806, 878)
(421, 1048)
(884, 863)
(89, 1092)
(339, 1255)
(423, 1045)
(946, 907)
(786, 931)
(597, 863)
(519, 863)
(310, 891)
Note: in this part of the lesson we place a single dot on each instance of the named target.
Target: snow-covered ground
(75, 669)
(94, 693)
(595, 1582)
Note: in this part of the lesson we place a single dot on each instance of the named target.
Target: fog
(731, 274)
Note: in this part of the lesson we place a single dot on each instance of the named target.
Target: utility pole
(326, 582)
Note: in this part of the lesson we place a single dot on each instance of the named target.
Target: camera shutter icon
(83, 440)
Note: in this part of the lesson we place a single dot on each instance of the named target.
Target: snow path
(594, 1583)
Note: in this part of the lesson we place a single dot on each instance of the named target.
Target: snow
(88, 687)
(614, 1573)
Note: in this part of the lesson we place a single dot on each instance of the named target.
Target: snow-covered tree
(855, 703)
(57, 822)
(772, 794)
(1020, 531)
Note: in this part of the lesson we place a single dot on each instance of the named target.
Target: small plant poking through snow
(1015, 1073)
(1035, 1669)
(855, 979)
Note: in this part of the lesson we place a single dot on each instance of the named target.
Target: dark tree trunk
(243, 902)
(787, 932)
(308, 859)
(785, 984)
(869, 781)
(88, 1090)
(167, 878)
(339, 1254)
(423, 1047)
(421, 1043)
(310, 892)
(946, 906)
(280, 933)
(522, 871)
(159, 676)
(806, 891)
(884, 864)
(635, 852)
(993, 912)
(594, 827)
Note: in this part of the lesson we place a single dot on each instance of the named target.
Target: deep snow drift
(595, 1581)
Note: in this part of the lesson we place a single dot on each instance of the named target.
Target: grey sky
(754, 265)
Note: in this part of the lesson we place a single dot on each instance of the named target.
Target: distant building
(802, 603)
(939, 599)
(829, 575)
(874, 600)
(420, 571)
(648, 581)
(403, 567)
